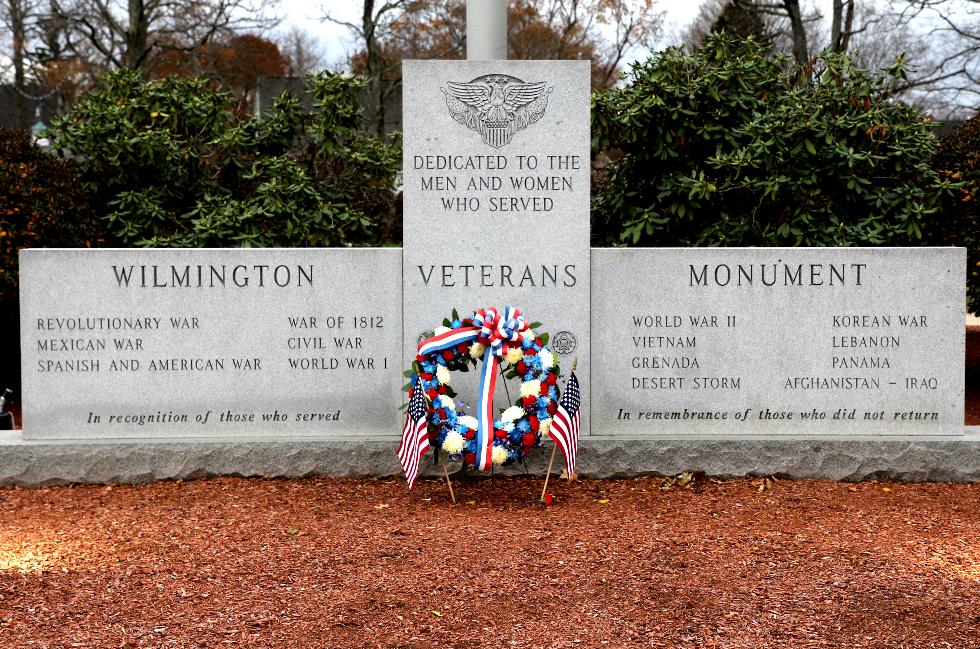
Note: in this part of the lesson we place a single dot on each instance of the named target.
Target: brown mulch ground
(364, 563)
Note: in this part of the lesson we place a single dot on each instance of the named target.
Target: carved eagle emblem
(496, 105)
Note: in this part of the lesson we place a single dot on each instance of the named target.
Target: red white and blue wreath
(501, 343)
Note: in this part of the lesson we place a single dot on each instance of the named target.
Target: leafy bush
(958, 158)
(170, 164)
(726, 147)
(42, 204)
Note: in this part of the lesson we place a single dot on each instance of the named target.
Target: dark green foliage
(170, 164)
(958, 158)
(42, 204)
(724, 147)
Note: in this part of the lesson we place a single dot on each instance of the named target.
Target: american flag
(415, 436)
(565, 424)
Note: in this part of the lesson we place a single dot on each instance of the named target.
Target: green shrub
(725, 147)
(170, 164)
(958, 158)
(42, 204)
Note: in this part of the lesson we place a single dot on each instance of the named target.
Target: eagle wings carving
(497, 106)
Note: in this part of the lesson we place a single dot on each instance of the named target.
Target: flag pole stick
(449, 483)
(547, 476)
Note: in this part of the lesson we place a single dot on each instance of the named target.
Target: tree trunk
(840, 28)
(372, 66)
(845, 36)
(18, 38)
(800, 52)
(136, 35)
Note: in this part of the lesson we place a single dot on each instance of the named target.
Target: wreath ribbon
(497, 331)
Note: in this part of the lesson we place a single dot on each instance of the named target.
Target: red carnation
(432, 393)
(420, 358)
(426, 375)
(530, 352)
(462, 348)
(470, 434)
(529, 439)
(521, 368)
(534, 422)
(552, 408)
(470, 458)
(544, 389)
(528, 401)
(442, 413)
(552, 379)
(447, 354)
(499, 434)
(537, 341)
(442, 389)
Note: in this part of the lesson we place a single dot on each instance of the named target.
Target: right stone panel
(778, 341)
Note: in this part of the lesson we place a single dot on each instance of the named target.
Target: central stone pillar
(496, 198)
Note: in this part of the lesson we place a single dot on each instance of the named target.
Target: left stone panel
(261, 344)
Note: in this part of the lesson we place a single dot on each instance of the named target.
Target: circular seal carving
(564, 343)
(425, 335)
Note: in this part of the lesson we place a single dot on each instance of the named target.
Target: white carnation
(443, 374)
(477, 349)
(440, 330)
(514, 354)
(446, 402)
(544, 426)
(547, 358)
(499, 455)
(513, 413)
(453, 443)
(531, 388)
(469, 421)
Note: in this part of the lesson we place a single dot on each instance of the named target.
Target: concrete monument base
(34, 463)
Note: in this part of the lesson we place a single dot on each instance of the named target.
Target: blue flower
(455, 324)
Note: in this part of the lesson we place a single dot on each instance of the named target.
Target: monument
(166, 344)
(832, 363)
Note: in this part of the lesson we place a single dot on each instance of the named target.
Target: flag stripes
(566, 423)
(415, 437)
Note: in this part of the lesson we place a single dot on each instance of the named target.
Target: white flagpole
(486, 30)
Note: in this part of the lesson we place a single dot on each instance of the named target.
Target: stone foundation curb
(35, 463)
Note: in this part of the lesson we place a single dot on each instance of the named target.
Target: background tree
(16, 19)
(938, 41)
(127, 34)
(604, 31)
(302, 50)
(233, 63)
